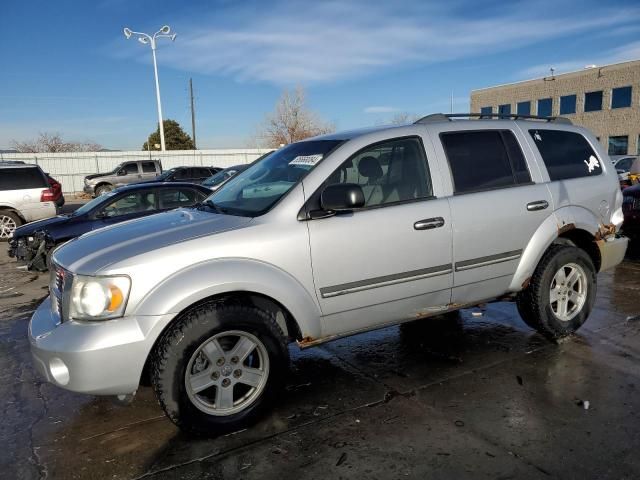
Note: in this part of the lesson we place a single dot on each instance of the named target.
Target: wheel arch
(572, 225)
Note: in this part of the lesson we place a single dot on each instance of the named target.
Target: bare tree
(52, 143)
(291, 121)
(404, 118)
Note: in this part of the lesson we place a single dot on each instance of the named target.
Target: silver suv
(325, 238)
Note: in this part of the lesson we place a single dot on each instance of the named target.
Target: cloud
(623, 53)
(380, 109)
(286, 42)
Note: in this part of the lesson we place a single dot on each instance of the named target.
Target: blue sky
(67, 68)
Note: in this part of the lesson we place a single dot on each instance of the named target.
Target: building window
(504, 110)
(567, 104)
(618, 145)
(545, 107)
(486, 110)
(566, 154)
(484, 160)
(621, 97)
(593, 101)
(524, 108)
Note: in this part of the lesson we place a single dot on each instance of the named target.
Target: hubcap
(7, 226)
(227, 373)
(568, 291)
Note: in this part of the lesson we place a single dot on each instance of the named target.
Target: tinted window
(132, 203)
(486, 110)
(621, 97)
(566, 154)
(22, 178)
(201, 172)
(130, 168)
(524, 108)
(593, 101)
(148, 167)
(388, 172)
(179, 197)
(545, 107)
(484, 160)
(567, 104)
(504, 110)
(624, 163)
(182, 174)
(618, 145)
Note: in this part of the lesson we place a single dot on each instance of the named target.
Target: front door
(390, 260)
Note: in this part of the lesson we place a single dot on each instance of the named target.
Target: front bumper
(99, 358)
(612, 251)
(90, 189)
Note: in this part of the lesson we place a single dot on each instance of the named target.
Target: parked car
(32, 243)
(325, 238)
(187, 174)
(631, 211)
(623, 165)
(56, 189)
(25, 196)
(223, 176)
(124, 174)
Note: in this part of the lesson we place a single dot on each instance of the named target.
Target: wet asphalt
(474, 395)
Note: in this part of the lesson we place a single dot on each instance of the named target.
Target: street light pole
(145, 39)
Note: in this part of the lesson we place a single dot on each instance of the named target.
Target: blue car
(32, 243)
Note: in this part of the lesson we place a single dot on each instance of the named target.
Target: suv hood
(97, 250)
(96, 175)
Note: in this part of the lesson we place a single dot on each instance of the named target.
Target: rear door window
(179, 197)
(484, 160)
(22, 178)
(148, 167)
(566, 154)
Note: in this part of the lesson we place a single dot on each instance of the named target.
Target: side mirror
(342, 197)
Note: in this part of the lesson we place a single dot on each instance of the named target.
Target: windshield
(93, 203)
(254, 191)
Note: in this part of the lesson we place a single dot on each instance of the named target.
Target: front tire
(219, 367)
(561, 292)
(103, 189)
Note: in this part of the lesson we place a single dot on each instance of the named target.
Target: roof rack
(441, 117)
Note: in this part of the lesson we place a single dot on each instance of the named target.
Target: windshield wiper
(211, 205)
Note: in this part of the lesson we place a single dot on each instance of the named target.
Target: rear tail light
(47, 195)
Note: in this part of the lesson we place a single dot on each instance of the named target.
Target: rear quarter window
(566, 154)
(22, 178)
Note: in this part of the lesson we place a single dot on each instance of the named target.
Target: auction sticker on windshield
(309, 160)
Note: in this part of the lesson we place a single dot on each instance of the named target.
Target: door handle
(429, 223)
(538, 205)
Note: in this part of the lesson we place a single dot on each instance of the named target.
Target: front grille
(59, 285)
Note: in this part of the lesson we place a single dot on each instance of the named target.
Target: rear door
(391, 259)
(148, 170)
(498, 202)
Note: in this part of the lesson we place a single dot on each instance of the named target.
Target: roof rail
(439, 117)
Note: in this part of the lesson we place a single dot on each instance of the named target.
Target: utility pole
(193, 115)
(451, 102)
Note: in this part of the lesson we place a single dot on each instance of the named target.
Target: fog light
(59, 371)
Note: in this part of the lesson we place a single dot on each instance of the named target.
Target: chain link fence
(71, 168)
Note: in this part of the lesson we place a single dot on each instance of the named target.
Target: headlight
(98, 298)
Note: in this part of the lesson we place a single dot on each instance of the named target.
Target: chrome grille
(60, 281)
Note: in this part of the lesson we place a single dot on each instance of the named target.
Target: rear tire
(9, 221)
(561, 292)
(200, 366)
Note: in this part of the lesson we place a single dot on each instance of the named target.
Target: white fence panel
(71, 168)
